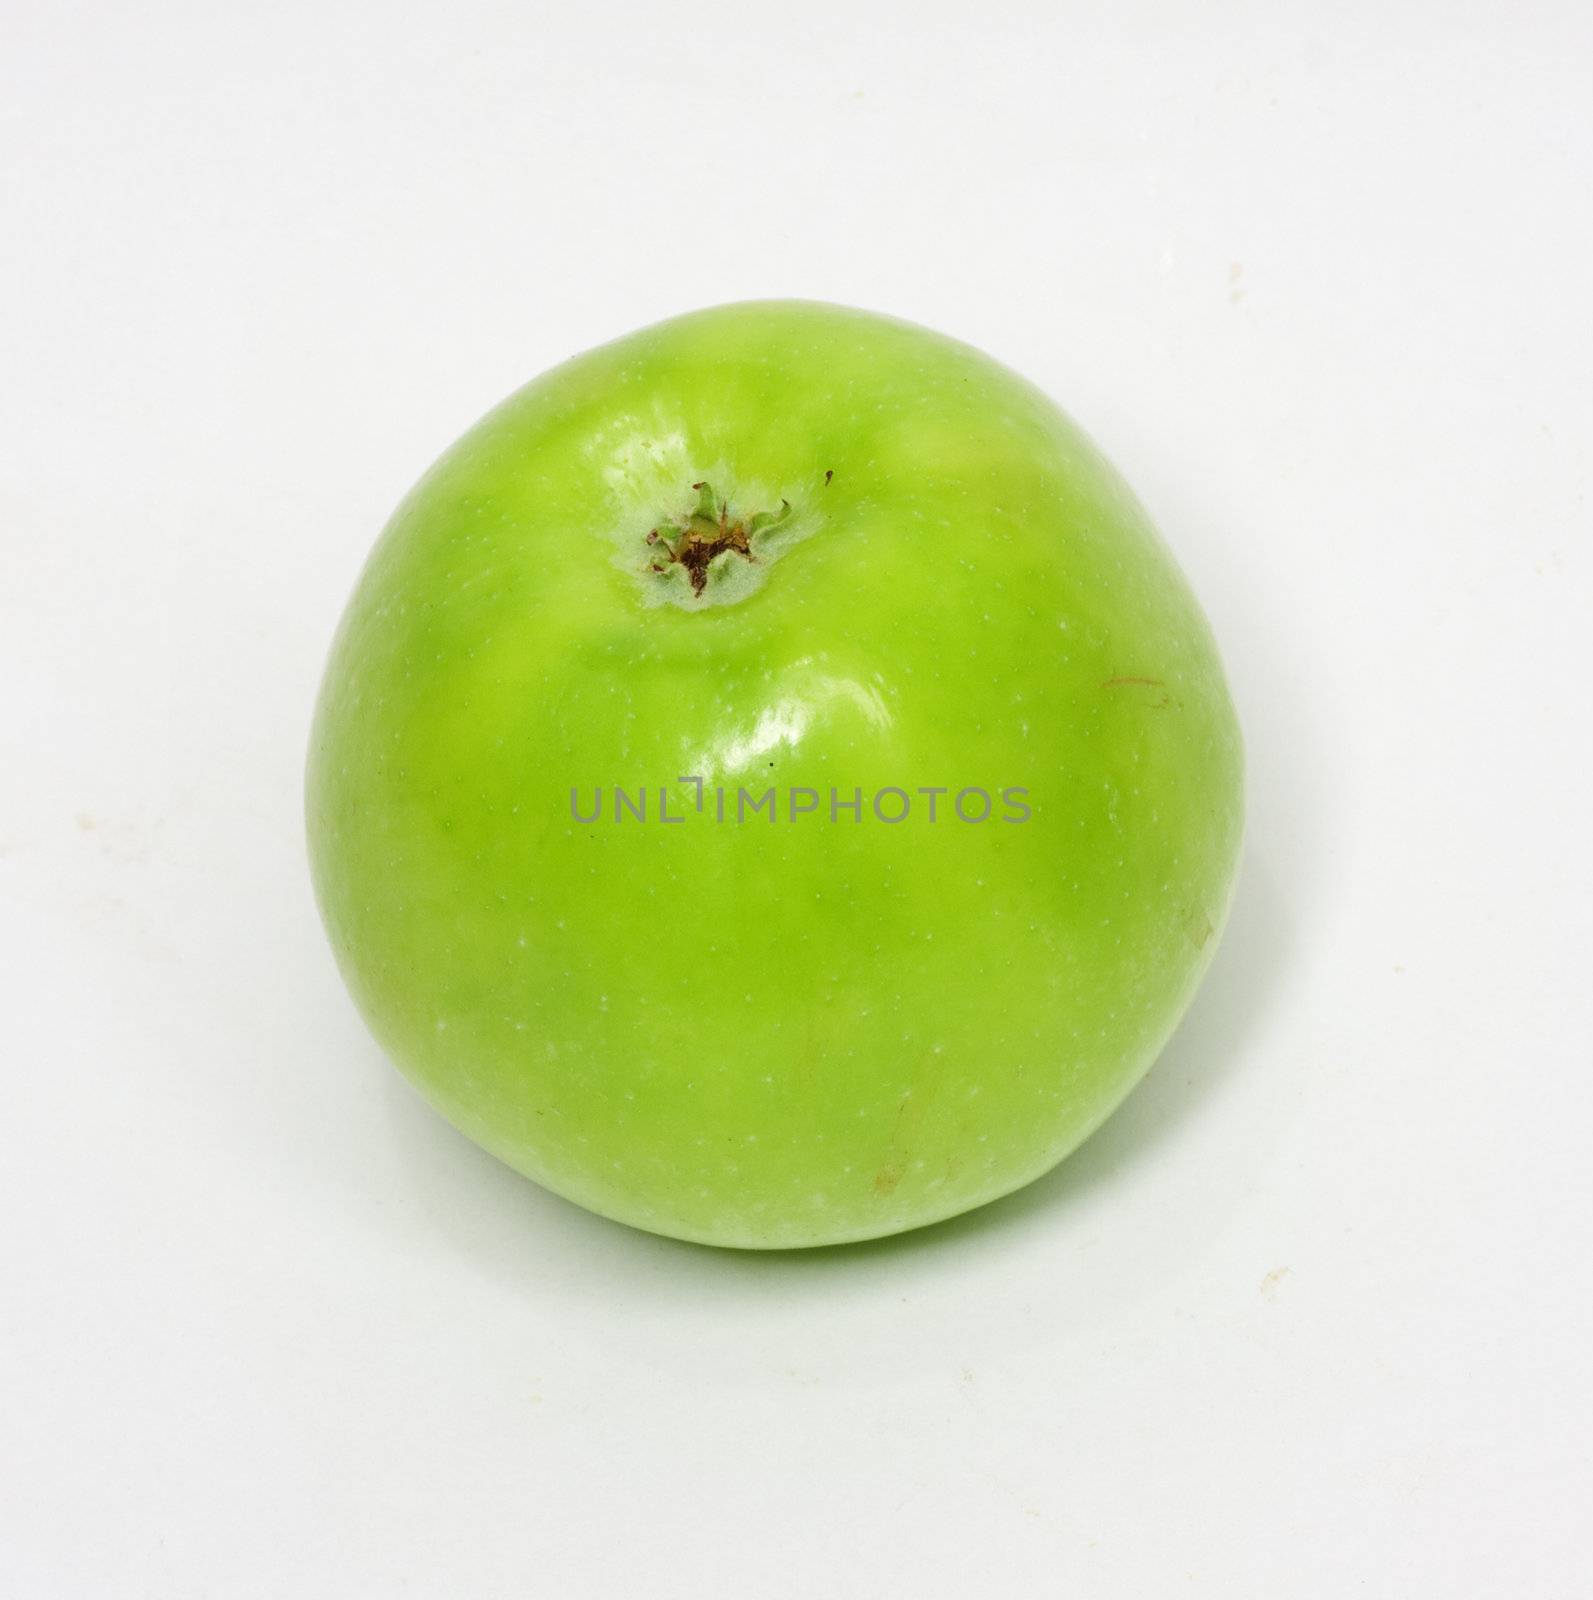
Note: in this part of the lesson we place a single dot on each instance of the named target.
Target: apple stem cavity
(707, 532)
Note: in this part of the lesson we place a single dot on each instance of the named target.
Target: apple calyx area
(707, 532)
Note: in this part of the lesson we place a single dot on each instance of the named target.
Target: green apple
(771, 785)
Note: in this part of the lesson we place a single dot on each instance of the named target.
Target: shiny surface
(802, 1030)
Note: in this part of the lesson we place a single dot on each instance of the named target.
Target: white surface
(1311, 1316)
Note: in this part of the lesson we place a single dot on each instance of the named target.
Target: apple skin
(798, 1032)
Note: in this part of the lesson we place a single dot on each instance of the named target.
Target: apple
(771, 784)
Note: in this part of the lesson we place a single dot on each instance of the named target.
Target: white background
(1310, 1317)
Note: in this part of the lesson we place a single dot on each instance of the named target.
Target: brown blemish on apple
(910, 1112)
(1160, 704)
